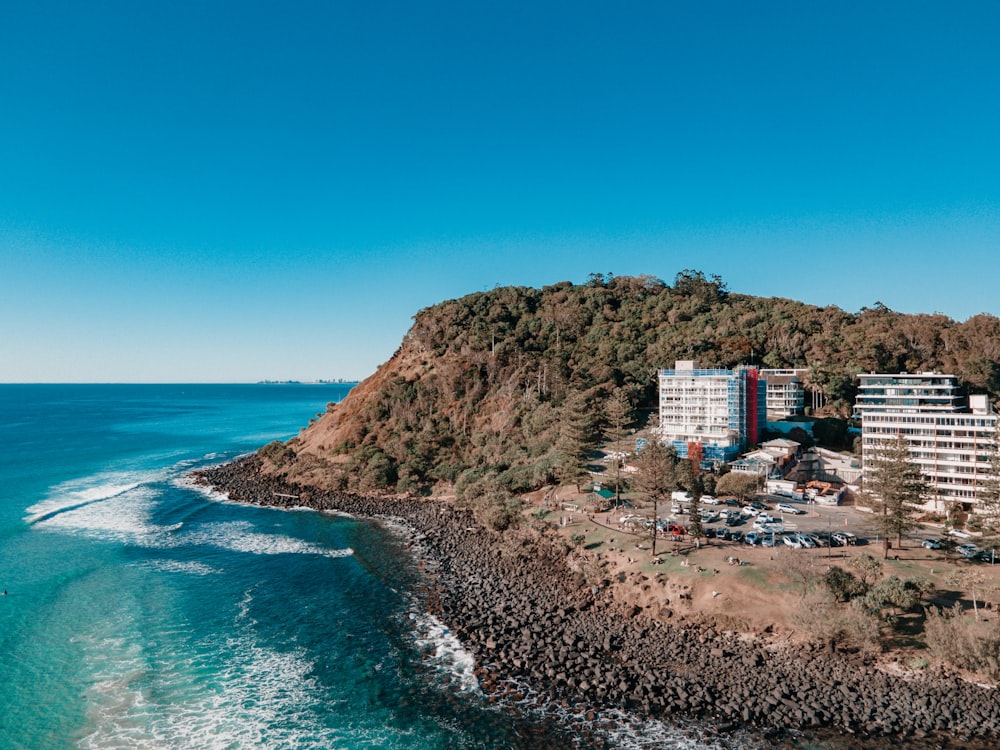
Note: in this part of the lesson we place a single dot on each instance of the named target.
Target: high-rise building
(949, 441)
(721, 411)
(785, 395)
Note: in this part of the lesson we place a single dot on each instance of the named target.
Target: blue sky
(200, 191)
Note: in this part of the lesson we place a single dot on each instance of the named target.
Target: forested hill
(483, 388)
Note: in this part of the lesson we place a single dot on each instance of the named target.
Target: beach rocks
(524, 616)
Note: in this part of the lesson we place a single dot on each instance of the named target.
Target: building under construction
(711, 415)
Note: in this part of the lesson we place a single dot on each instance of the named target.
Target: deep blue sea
(143, 612)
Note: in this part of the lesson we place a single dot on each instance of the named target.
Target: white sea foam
(621, 729)
(231, 695)
(187, 482)
(224, 694)
(445, 652)
(240, 536)
(180, 566)
(81, 492)
(123, 516)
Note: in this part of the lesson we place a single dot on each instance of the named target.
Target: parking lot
(781, 521)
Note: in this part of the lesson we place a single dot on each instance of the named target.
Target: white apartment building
(785, 395)
(722, 410)
(951, 443)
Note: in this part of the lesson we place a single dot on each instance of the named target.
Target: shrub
(869, 568)
(843, 585)
(963, 642)
(825, 621)
(276, 452)
(498, 511)
(891, 596)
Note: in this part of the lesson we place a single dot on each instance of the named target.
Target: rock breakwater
(528, 619)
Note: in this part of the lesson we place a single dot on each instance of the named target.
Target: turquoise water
(144, 613)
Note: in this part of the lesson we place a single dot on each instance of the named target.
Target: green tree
(869, 569)
(576, 439)
(618, 415)
(894, 489)
(693, 481)
(656, 477)
(891, 596)
(739, 484)
(843, 584)
(831, 432)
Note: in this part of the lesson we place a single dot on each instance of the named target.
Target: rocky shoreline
(518, 608)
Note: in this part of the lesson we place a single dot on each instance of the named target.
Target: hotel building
(720, 411)
(951, 443)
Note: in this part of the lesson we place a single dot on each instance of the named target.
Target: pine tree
(694, 485)
(894, 488)
(618, 413)
(576, 439)
(656, 477)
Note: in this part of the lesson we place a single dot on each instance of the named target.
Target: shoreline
(527, 619)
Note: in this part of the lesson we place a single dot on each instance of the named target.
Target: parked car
(732, 502)
(807, 541)
(845, 538)
(770, 540)
(786, 508)
(735, 536)
(758, 505)
(792, 541)
(763, 520)
(987, 556)
(749, 510)
(830, 539)
(709, 500)
(967, 551)
(753, 538)
(931, 544)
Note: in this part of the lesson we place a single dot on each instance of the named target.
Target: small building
(785, 392)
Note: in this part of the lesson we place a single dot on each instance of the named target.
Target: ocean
(144, 612)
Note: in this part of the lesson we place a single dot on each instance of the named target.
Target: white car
(786, 508)
(764, 519)
(967, 550)
(792, 541)
(709, 500)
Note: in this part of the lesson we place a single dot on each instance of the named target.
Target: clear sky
(234, 191)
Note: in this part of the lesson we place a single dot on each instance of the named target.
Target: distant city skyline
(231, 192)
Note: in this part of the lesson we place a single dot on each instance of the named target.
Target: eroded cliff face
(324, 451)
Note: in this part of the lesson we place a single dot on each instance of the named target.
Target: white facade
(719, 409)
(785, 395)
(950, 443)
